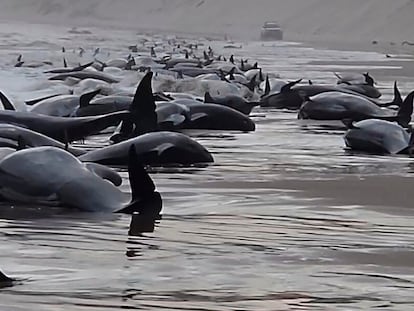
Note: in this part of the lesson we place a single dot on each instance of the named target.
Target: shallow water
(233, 236)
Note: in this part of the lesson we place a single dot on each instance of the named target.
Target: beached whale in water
(67, 69)
(215, 117)
(291, 95)
(63, 105)
(338, 106)
(12, 135)
(155, 148)
(233, 101)
(378, 137)
(52, 176)
(85, 74)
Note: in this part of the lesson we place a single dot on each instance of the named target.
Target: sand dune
(324, 20)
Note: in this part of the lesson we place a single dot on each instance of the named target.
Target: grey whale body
(154, 148)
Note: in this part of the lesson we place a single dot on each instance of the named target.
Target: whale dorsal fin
(143, 107)
(261, 75)
(252, 83)
(81, 67)
(397, 100)
(141, 183)
(85, 99)
(208, 98)
(5, 280)
(65, 64)
(6, 102)
(288, 86)
(368, 79)
(153, 54)
(145, 200)
(267, 86)
(35, 101)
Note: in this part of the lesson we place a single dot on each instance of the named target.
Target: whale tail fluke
(397, 100)
(406, 110)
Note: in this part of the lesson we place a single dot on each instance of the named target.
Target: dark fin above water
(6, 102)
(338, 76)
(231, 59)
(85, 99)
(153, 54)
(252, 83)
(145, 200)
(5, 281)
(222, 76)
(81, 67)
(406, 110)
(231, 72)
(143, 107)
(208, 98)
(131, 62)
(65, 64)
(368, 79)
(35, 101)
(141, 183)
(288, 86)
(397, 100)
(267, 86)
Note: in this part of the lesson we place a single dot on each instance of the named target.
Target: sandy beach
(352, 24)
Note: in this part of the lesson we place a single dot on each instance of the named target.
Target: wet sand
(381, 193)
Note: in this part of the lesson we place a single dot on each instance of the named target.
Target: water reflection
(143, 223)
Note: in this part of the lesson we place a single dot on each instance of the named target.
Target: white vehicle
(271, 31)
